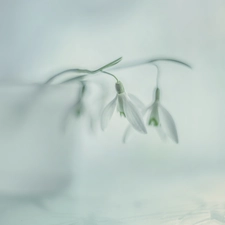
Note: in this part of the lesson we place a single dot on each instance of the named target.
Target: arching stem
(157, 75)
(113, 63)
(140, 63)
(84, 71)
(110, 75)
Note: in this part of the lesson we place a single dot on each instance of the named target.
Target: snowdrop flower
(126, 106)
(160, 119)
(82, 109)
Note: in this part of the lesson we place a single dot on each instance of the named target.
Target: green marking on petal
(122, 114)
(153, 122)
(154, 116)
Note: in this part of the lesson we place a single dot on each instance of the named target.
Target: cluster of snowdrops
(128, 105)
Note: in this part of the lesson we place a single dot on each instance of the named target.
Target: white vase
(36, 154)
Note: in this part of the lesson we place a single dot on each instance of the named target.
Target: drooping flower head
(126, 106)
(161, 119)
(81, 107)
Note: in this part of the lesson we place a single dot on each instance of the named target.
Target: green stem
(140, 63)
(69, 71)
(171, 60)
(110, 75)
(157, 76)
(134, 64)
(86, 72)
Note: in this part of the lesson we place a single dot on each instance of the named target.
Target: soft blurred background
(61, 169)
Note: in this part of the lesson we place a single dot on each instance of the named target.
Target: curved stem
(140, 63)
(89, 72)
(84, 75)
(110, 75)
(110, 64)
(171, 60)
(68, 71)
(83, 71)
(75, 78)
(157, 75)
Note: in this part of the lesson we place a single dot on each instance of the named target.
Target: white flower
(126, 106)
(81, 109)
(159, 118)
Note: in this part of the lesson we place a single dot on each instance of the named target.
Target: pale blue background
(47, 177)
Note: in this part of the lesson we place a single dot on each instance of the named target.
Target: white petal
(129, 130)
(148, 109)
(137, 102)
(133, 114)
(151, 106)
(107, 113)
(160, 132)
(168, 123)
